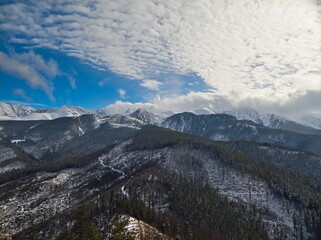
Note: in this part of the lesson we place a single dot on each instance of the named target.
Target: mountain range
(144, 175)
(306, 124)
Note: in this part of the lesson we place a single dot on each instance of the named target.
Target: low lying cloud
(294, 107)
(188, 102)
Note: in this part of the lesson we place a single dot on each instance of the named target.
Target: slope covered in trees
(173, 181)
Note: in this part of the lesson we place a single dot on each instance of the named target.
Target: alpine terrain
(78, 174)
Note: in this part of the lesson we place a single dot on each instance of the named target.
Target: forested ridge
(178, 206)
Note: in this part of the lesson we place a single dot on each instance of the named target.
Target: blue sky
(92, 88)
(161, 55)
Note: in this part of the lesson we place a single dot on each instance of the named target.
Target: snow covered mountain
(19, 112)
(64, 111)
(307, 126)
(146, 116)
(8, 111)
(224, 127)
(310, 121)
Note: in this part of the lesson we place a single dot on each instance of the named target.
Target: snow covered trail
(101, 161)
(123, 191)
(116, 170)
(123, 175)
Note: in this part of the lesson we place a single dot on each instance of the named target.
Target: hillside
(154, 175)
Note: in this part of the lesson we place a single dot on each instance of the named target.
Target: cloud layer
(32, 68)
(206, 102)
(264, 50)
(21, 93)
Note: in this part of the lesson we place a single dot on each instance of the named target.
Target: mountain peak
(310, 121)
(8, 111)
(305, 124)
(144, 115)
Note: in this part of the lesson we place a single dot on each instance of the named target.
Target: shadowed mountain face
(109, 166)
(305, 125)
(222, 127)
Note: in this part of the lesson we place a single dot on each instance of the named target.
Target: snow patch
(118, 125)
(97, 123)
(81, 131)
(124, 192)
(12, 166)
(101, 161)
(17, 140)
(61, 178)
(219, 137)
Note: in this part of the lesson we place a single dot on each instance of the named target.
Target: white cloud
(20, 92)
(30, 67)
(246, 49)
(181, 103)
(293, 107)
(122, 93)
(72, 82)
(151, 84)
(104, 81)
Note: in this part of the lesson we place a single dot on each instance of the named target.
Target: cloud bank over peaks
(308, 103)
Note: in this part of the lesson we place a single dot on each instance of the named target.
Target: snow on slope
(310, 121)
(147, 116)
(266, 119)
(19, 112)
(144, 116)
(8, 111)
(64, 111)
(306, 123)
(141, 230)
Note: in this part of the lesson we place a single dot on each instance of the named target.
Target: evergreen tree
(94, 234)
(119, 231)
